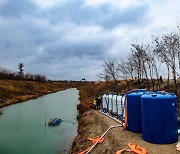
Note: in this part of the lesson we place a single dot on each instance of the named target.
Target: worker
(95, 103)
(99, 102)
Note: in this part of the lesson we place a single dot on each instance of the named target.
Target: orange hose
(133, 148)
(93, 140)
(96, 139)
(125, 124)
(83, 152)
(126, 115)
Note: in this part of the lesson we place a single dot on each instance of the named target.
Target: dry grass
(13, 91)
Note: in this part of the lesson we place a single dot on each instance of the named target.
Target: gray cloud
(70, 40)
(104, 15)
(17, 8)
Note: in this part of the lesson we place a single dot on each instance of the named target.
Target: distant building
(83, 79)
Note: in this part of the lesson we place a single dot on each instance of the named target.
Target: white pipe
(112, 118)
(102, 137)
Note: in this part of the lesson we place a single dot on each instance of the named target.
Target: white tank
(120, 106)
(110, 103)
(114, 104)
(104, 102)
(107, 102)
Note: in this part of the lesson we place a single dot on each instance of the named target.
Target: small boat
(54, 121)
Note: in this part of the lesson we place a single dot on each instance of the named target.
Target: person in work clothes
(98, 103)
(95, 103)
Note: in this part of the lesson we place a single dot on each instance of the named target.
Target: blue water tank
(134, 111)
(159, 118)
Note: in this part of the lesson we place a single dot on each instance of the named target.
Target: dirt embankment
(92, 123)
(15, 91)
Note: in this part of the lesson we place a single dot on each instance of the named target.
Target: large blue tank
(159, 118)
(134, 111)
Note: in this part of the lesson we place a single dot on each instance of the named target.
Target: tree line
(145, 60)
(6, 74)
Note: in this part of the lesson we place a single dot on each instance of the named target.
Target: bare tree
(140, 56)
(122, 67)
(167, 49)
(161, 55)
(126, 68)
(152, 68)
(110, 72)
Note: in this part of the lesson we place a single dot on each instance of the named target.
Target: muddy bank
(15, 91)
(93, 123)
(23, 98)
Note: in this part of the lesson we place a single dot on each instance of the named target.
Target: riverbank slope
(16, 91)
(92, 123)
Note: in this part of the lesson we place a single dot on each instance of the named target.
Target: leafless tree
(110, 72)
(152, 68)
(126, 68)
(140, 57)
(167, 48)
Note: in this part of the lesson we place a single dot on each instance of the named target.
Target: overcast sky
(70, 39)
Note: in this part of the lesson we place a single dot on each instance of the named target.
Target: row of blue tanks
(154, 114)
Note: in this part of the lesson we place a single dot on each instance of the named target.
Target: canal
(23, 129)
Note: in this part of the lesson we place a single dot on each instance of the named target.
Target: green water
(23, 130)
